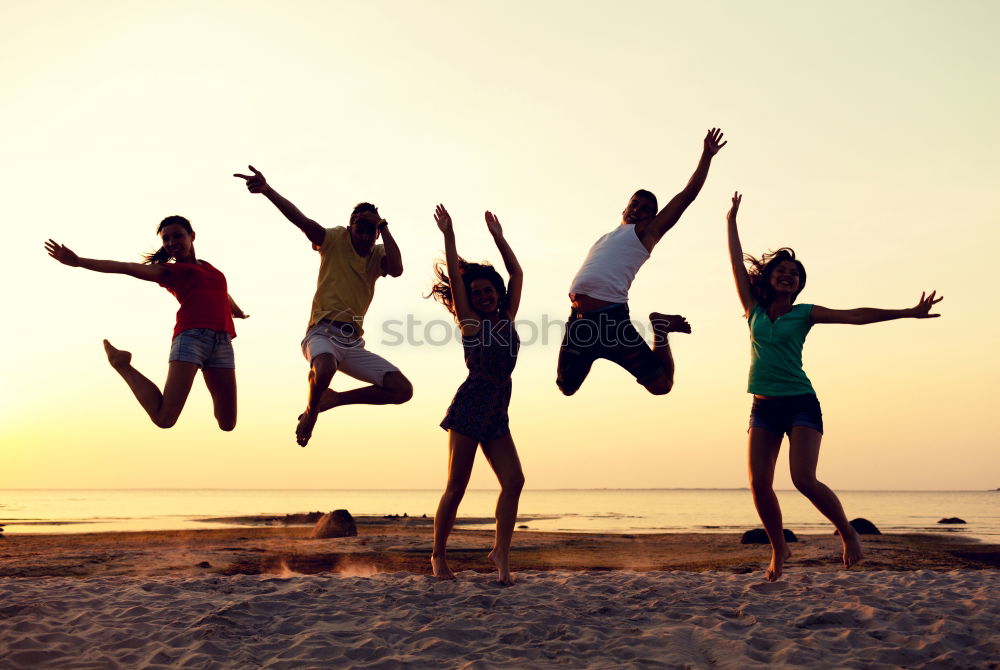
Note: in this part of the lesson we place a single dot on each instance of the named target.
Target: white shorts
(349, 353)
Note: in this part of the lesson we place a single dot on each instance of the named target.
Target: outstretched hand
(923, 308)
(713, 141)
(62, 254)
(493, 225)
(737, 199)
(256, 183)
(443, 219)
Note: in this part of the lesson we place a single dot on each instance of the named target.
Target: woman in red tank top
(202, 335)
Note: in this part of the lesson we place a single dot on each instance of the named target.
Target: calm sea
(574, 510)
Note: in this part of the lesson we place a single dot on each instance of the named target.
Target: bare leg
(764, 447)
(803, 456)
(320, 375)
(162, 408)
(395, 390)
(461, 456)
(664, 324)
(502, 456)
(221, 383)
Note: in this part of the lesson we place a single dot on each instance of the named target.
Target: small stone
(522, 526)
(952, 520)
(204, 564)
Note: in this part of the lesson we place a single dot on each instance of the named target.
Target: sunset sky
(862, 134)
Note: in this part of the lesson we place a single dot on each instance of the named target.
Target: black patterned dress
(479, 409)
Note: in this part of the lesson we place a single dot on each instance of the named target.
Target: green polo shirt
(776, 352)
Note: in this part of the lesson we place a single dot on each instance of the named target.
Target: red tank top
(201, 290)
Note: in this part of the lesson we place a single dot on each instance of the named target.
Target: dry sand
(270, 597)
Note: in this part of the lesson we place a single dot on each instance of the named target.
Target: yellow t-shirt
(346, 281)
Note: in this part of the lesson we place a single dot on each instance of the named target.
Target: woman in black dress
(475, 295)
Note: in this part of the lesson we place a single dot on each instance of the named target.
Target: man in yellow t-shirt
(350, 263)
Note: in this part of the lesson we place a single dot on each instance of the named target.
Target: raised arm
(736, 259)
(516, 280)
(467, 319)
(671, 214)
(392, 262)
(65, 256)
(256, 183)
(866, 315)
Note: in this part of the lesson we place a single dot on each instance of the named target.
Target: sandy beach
(270, 597)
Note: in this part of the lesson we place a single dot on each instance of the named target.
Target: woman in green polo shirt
(784, 400)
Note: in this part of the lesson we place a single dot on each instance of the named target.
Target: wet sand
(405, 545)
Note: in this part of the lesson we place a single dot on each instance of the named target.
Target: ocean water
(572, 510)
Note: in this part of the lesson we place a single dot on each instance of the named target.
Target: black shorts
(608, 334)
(779, 414)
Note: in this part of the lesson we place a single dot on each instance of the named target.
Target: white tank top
(611, 265)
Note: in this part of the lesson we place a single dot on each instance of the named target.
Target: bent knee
(659, 386)
(165, 421)
(568, 390)
(404, 394)
(805, 485)
(399, 386)
(513, 483)
(454, 492)
(322, 366)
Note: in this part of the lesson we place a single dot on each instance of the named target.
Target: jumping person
(350, 263)
(784, 400)
(475, 295)
(599, 325)
(202, 335)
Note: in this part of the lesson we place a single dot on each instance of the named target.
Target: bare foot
(118, 358)
(852, 549)
(328, 400)
(668, 323)
(502, 561)
(777, 566)
(440, 568)
(307, 421)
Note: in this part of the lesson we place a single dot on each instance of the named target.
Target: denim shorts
(609, 334)
(204, 347)
(779, 414)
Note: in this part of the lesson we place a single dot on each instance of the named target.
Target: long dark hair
(441, 290)
(161, 255)
(760, 270)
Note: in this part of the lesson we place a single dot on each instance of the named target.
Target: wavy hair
(161, 255)
(759, 271)
(441, 289)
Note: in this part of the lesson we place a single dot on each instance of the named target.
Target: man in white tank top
(599, 325)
